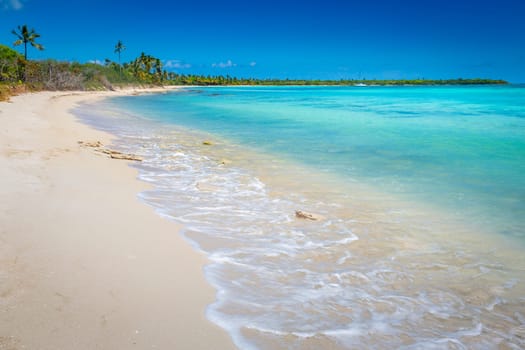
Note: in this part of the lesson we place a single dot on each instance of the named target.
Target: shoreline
(84, 263)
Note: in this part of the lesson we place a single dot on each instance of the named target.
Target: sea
(416, 198)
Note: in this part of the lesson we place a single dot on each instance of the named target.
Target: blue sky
(325, 39)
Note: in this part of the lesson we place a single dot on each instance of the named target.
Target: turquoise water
(458, 147)
(418, 190)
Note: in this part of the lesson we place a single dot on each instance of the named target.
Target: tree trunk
(25, 61)
(119, 66)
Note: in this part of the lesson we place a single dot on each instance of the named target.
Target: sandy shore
(83, 263)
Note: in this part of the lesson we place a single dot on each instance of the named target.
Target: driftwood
(119, 155)
(111, 153)
(95, 144)
(125, 156)
(307, 216)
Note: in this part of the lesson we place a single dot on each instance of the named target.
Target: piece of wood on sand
(307, 216)
(97, 145)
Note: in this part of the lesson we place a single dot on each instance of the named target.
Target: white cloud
(12, 4)
(99, 62)
(16, 4)
(226, 64)
(253, 64)
(177, 64)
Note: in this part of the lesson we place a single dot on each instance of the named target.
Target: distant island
(19, 74)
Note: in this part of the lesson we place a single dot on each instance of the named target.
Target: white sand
(83, 263)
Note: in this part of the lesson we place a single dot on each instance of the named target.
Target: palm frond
(37, 46)
(17, 35)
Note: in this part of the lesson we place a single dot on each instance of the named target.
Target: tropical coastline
(84, 264)
(346, 260)
(18, 75)
(87, 258)
(262, 175)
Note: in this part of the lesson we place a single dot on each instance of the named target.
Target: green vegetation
(17, 73)
(9, 60)
(221, 80)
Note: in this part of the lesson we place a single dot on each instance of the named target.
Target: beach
(262, 218)
(83, 263)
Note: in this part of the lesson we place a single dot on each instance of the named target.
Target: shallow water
(420, 191)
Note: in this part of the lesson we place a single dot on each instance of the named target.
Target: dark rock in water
(207, 143)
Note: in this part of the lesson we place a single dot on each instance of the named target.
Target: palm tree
(26, 36)
(118, 49)
(158, 69)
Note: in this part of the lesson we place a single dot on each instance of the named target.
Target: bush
(9, 64)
